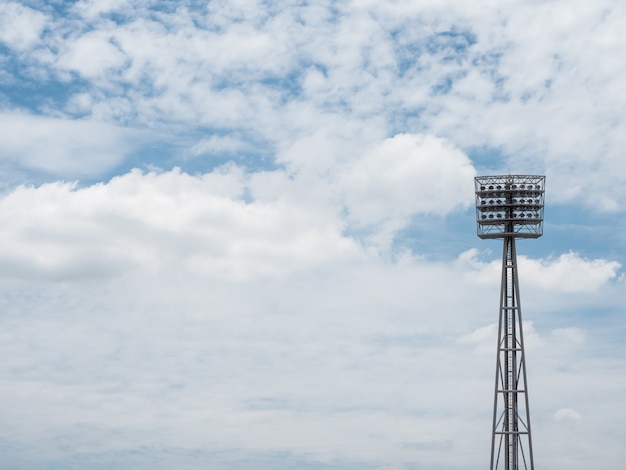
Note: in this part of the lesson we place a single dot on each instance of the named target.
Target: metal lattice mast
(510, 207)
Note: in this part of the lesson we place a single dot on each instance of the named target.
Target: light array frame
(509, 206)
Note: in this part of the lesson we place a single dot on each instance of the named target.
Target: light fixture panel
(509, 205)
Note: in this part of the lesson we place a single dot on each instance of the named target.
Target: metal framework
(510, 207)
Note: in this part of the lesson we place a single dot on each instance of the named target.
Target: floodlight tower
(510, 207)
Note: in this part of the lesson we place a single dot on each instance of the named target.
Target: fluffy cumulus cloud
(91, 55)
(20, 26)
(570, 272)
(241, 235)
(567, 273)
(162, 220)
(406, 175)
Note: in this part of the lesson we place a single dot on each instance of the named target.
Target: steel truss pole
(511, 439)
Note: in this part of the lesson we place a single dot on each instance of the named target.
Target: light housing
(509, 205)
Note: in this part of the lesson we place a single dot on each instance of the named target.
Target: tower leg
(511, 439)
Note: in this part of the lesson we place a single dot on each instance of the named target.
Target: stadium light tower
(510, 207)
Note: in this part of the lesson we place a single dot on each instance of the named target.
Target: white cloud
(405, 175)
(20, 26)
(162, 220)
(90, 9)
(283, 358)
(554, 106)
(567, 273)
(219, 144)
(567, 416)
(483, 339)
(71, 148)
(92, 55)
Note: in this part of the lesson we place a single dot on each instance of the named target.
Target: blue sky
(240, 234)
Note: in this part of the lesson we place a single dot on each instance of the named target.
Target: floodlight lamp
(510, 197)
